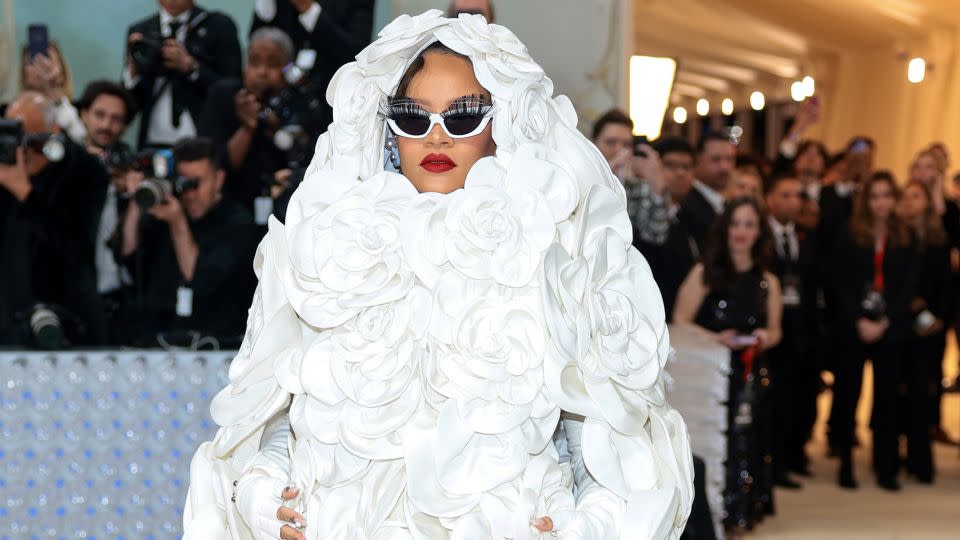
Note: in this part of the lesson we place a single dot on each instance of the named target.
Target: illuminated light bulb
(797, 92)
(809, 86)
(916, 70)
(703, 107)
(680, 115)
(726, 106)
(757, 101)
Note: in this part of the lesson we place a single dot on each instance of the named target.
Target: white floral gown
(423, 346)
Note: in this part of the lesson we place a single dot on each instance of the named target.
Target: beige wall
(869, 94)
(581, 44)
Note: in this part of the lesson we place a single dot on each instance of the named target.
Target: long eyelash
(393, 108)
(475, 104)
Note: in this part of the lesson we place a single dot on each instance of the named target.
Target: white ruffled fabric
(422, 346)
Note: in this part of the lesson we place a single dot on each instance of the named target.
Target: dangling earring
(392, 151)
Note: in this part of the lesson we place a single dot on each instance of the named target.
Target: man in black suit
(326, 34)
(173, 57)
(794, 372)
(716, 158)
(50, 206)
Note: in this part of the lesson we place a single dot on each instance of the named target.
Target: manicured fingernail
(300, 523)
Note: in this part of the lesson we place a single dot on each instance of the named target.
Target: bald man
(479, 7)
(49, 214)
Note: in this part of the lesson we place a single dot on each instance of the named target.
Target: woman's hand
(266, 514)
(763, 338)
(871, 331)
(728, 338)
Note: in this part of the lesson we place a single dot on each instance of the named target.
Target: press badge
(306, 58)
(184, 301)
(791, 291)
(262, 208)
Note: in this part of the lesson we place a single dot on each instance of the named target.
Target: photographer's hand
(48, 76)
(184, 245)
(14, 178)
(176, 57)
(131, 67)
(649, 169)
(301, 5)
(169, 211)
(247, 107)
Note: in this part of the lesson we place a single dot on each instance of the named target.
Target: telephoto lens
(152, 192)
(46, 328)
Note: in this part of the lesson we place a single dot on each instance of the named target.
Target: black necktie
(177, 105)
(787, 250)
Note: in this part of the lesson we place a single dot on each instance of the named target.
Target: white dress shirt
(267, 10)
(792, 249)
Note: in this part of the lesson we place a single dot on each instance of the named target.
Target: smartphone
(745, 341)
(637, 141)
(37, 40)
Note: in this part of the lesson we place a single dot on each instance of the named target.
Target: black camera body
(147, 55)
(161, 177)
(296, 110)
(11, 138)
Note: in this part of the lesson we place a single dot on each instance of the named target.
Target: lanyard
(878, 254)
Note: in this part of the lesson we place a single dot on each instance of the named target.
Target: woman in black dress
(732, 296)
(931, 307)
(874, 279)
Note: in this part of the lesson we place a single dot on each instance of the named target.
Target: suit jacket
(343, 29)
(670, 262)
(48, 243)
(697, 216)
(212, 42)
(853, 273)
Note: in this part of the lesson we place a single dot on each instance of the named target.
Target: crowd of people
(811, 262)
(109, 244)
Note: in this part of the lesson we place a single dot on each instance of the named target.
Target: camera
(874, 306)
(161, 179)
(147, 55)
(295, 108)
(46, 330)
(153, 191)
(637, 141)
(11, 138)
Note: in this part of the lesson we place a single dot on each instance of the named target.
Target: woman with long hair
(732, 296)
(450, 320)
(931, 308)
(874, 282)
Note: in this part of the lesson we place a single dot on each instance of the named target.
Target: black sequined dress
(748, 495)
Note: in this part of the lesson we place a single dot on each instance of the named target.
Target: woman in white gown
(421, 344)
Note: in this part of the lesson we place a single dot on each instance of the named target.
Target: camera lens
(46, 329)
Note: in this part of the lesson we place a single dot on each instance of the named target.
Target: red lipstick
(438, 163)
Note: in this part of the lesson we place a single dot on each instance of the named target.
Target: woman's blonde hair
(55, 54)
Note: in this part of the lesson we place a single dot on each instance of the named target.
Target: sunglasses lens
(412, 124)
(462, 124)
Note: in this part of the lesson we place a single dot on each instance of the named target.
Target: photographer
(172, 60)
(52, 193)
(326, 33)
(106, 109)
(49, 74)
(191, 253)
(262, 124)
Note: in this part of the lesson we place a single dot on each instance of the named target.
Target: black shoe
(889, 484)
(801, 471)
(845, 477)
(786, 483)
